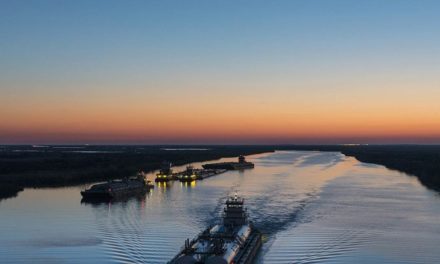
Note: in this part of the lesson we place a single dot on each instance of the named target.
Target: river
(313, 207)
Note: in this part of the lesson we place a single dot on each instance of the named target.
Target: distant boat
(189, 175)
(118, 189)
(166, 173)
(240, 165)
(236, 240)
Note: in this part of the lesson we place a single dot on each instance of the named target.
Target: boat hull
(229, 166)
(161, 180)
(96, 196)
(250, 250)
(106, 195)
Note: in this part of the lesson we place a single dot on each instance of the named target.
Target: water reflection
(313, 207)
(140, 198)
(187, 185)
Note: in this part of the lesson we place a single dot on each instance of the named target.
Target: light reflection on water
(312, 207)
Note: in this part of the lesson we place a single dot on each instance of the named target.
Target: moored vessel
(189, 175)
(240, 165)
(166, 173)
(118, 188)
(236, 240)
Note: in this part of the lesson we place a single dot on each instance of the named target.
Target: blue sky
(280, 52)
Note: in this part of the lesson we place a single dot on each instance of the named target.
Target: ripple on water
(312, 207)
(370, 215)
(129, 238)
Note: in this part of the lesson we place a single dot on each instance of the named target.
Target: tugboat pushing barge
(166, 173)
(235, 241)
(189, 175)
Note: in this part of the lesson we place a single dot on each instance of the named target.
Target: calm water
(313, 208)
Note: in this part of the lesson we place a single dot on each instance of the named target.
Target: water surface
(313, 207)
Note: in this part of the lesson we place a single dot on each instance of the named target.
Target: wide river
(313, 207)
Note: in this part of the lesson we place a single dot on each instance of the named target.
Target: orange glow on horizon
(235, 124)
(276, 116)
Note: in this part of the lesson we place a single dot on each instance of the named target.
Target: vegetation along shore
(46, 166)
(52, 166)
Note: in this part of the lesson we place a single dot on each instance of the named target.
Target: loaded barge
(191, 174)
(118, 189)
(240, 165)
(236, 240)
(166, 174)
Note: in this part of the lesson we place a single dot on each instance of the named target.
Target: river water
(313, 207)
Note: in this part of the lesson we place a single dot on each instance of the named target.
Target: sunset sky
(223, 72)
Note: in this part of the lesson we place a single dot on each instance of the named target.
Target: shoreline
(97, 166)
(58, 169)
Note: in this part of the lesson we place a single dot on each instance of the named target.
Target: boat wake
(122, 233)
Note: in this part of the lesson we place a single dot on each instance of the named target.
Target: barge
(236, 240)
(118, 189)
(191, 174)
(240, 165)
(206, 173)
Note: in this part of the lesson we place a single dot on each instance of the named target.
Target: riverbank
(336, 216)
(9, 190)
(53, 166)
